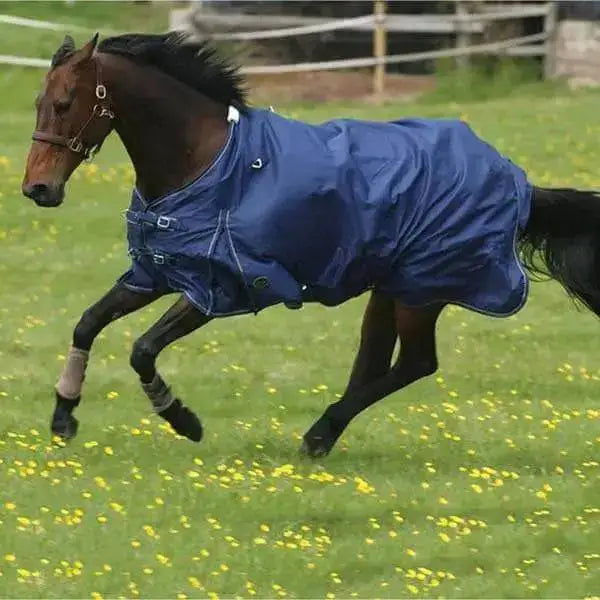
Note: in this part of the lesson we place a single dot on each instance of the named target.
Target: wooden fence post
(550, 24)
(462, 36)
(379, 47)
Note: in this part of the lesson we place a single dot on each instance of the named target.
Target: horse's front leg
(182, 318)
(117, 302)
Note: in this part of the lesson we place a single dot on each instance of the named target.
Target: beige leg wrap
(71, 379)
(159, 394)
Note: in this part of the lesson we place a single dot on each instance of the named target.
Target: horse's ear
(88, 49)
(68, 43)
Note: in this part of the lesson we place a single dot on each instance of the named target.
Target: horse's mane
(194, 63)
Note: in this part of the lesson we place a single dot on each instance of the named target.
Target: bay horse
(239, 209)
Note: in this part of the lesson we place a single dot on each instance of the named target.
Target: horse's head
(73, 119)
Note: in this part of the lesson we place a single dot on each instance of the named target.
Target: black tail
(562, 241)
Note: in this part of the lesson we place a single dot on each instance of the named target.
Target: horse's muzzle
(44, 195)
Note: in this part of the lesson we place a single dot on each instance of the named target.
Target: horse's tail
(562, 241)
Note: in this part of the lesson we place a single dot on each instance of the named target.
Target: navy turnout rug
(423, 210)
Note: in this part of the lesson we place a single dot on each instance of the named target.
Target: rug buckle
(163, 222)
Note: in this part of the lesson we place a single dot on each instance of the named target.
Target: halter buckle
(75, 145)
(102, 111)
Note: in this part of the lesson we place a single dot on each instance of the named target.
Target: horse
(237, 209)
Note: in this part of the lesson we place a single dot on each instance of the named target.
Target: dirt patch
(328, 86)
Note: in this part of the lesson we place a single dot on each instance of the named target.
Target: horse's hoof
(65, 426)
(183, 421)
(315, 447)
(322, 436)
(192, 428)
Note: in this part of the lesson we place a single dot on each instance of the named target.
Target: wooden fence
(469, 20)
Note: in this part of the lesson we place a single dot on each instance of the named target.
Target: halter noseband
(76, 144)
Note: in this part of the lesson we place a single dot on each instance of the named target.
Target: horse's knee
(417, 366)
(85, 330)
(142, 359)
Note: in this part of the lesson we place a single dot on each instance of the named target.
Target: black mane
(194, 63)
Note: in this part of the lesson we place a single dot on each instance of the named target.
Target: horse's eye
(62, 106)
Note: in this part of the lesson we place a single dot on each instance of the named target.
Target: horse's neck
(171, 132)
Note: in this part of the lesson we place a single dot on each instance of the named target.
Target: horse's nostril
(35, 191)
(44, 195)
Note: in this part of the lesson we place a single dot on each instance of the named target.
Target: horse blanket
(289, 212)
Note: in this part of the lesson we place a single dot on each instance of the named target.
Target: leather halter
(76, 143)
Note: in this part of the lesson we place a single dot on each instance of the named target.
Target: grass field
(482, 481)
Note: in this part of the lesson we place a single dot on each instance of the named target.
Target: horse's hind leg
(116, 303)
(377, 340)
(181, 319)
(417, 358)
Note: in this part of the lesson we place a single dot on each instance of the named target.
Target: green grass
(482, 481)
(487, 78)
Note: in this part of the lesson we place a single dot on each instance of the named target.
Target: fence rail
(36, 24)
(288, 25)
(324, 27)
(353, 63)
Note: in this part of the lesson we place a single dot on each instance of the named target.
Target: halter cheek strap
(76, 143)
